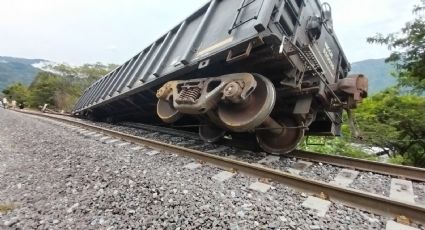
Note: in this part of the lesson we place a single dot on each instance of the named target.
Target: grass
(336, 146)
(6, 208)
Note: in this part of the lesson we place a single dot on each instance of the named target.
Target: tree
(63, 85)
(408, 51)
(17, 92)
(60, 87)
(43, 89)
(394, 119)
(395, 122)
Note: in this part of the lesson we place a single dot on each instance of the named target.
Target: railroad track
(348, 196)
(399, 171)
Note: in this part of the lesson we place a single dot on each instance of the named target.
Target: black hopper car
(269, 68)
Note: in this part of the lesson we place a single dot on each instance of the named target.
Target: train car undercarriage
(244, 102)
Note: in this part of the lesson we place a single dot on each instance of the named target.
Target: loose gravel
(53, 178)
(321, 172)
(366, 181)
(283, 164)
(373, 183)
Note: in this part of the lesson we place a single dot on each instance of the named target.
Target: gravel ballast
(55, 178)
(373, 183)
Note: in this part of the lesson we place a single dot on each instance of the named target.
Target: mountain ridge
(14, 69)
(378, 73)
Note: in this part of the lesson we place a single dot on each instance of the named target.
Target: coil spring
(189, 95)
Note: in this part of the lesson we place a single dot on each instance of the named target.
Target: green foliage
(398, 160)
(394, 121)
(335, 146)
(17, 92)
(60, 88)
(408, 51)
(43, 89)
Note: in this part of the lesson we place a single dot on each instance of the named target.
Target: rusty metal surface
(198, 96)
(365, 201)
(283, 141)
(355, 85)
(251, 113)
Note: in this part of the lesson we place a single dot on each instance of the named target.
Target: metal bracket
(231, 59)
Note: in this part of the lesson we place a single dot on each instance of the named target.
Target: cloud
(357, 20)
(81, 31)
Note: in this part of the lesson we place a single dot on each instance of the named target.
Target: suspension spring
(189, 95)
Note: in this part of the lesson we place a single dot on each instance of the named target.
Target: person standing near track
(13, 104)
(4, 102)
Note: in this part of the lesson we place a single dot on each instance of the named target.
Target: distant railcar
(269, 68)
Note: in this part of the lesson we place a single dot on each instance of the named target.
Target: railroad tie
(345, 177)
(192, 166)
(111, 141)
(269, 159)
(151, 153)
(89, 134)
(299, 166)
(223, 176)
(392, 225)
(320, 206)
(103, 139)
(137, 148)
(402, 190)
(260, 187)
(122, 144)
(85, 132)
(218, 150)
(97, 135)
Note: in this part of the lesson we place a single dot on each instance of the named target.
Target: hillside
(17, 70)
(24, 70)
(378, 72)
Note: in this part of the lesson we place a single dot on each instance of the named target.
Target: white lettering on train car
(327, 52)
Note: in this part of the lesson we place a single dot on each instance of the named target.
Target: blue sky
(111, 31)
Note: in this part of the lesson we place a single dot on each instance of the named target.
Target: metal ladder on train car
(310, 64)
(235, 24)
(295, 13)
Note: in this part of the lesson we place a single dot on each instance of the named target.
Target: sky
(112, 31)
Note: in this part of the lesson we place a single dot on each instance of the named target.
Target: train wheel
(253, 112)
(90, 116)
(167, 112)
(281, 142)
(210, 133)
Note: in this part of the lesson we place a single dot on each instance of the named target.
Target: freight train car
(269, 68)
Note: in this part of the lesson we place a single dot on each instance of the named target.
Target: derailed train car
(269, 68)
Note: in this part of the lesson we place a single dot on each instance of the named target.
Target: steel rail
(400, 171)
(350, 197)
